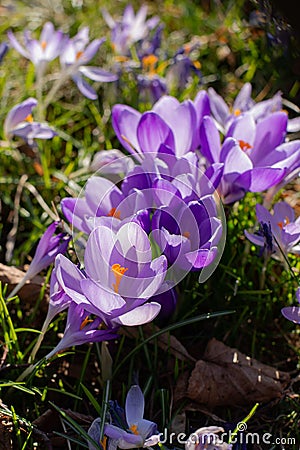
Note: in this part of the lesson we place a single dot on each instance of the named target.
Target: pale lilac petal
(18, 114)
(84, 87)
(17, 46)
(255, 239)
(125, 122)
(139, 315)
(235, 160)
(210, 140)
(152, 131)
(97, 74)
(91, 50)
(243, 128)
(270, 132)
(218, 106)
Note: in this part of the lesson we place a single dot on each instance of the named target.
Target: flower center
(186, 234)
(78, 55)
(114, 212)
(244, 145)
(118, 272)
(44, 45)
(103, 442)
(29, 118)
(283, 223)
(85, 322)
(134, 429)
(149, 63)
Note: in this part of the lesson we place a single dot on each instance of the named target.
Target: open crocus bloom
(102, 198)
(119, 277)
(76, 54)
(254, 155)
(19, 122)
(292, 313)
(284, 229)
(48, 47)
(206, 438)
(136, 431)
(224, 115)
(130, 29)
(169, 127)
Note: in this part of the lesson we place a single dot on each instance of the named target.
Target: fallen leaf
(227, 377)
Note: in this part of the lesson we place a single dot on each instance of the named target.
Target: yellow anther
(118, 272)
(149, 63)
(244, 145)
(237, 112)
(44, 45)
(85, 322)
(134, 429)
(103, 442)
(114, 213)
(197, 65)
(29, 118)
(186, 234)
(284, 223)
(78, 55)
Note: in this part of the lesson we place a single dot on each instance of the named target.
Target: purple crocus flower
(169, 127)
(283, 228)
(255, 156)
(19, 122)
(206, 438)
(119, 275)
(224, 115)
(137, 431)
(49, 246)
(102, 198)
(80, 329)
(187, 233)
(130, 29)
(292, 313)
(76, 54)
(48, 47)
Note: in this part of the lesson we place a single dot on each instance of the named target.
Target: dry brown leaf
(227, 377)
(11, 276)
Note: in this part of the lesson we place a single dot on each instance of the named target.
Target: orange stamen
(85, 322)
(149, 63)
(186, 234)
(44, 45)
(133, 428)
(244, 145)
(29, 118)
(237, 112)
(118, 272)
(114, 213)
(284, 223)
(197, 65)
(103, 442)
(78, 55)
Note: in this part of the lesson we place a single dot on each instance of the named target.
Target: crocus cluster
(254, 150)
(74, 54)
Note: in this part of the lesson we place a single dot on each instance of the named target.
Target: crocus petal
(125, 122)
(84, 87)
(17, 46)
(139, 315)
(152, 131)
(210, 140)
(235, 160)
(218, 106)
(270, 132)
(291, 313)
(255, 239)
(259, 179)
(97, 74)
(134, 405)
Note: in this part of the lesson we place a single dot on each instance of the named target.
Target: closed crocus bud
(49, 246)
